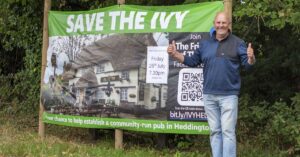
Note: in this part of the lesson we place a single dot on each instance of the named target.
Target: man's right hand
(172, 49)
(174, 53)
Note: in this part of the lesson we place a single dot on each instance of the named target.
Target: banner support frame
(119, 132)
(47, 7)
(228, 10)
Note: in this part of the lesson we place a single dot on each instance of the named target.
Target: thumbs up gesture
(174, 53)
(250, 54)
(172, 49)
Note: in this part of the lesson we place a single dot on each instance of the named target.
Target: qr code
(190, 87)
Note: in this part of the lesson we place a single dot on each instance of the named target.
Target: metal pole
(47, 6)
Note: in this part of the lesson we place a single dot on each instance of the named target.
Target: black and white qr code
(190, 87)
(192, 84)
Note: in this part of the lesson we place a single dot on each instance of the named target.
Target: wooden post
(228, 10)
(47, 6)
(121, 2)
(161, 141)
(119, 132)
(118, 139)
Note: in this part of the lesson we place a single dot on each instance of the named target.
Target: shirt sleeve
(242, 52)
(195, 59)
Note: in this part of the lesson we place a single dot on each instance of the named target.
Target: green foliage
(272, 14)
(283, 125)
(20, 51)
(20, 25)
(75, 5)
(274, 33)
(277, 124)
(267, 114)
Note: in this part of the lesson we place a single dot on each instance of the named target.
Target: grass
(21, 143)
(20, 139)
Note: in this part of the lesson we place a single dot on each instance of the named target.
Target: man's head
(221, 24)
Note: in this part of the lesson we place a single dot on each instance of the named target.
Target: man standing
(222, 56)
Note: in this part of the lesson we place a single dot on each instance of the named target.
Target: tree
(273, 27)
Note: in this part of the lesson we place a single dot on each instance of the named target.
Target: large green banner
(108, 68)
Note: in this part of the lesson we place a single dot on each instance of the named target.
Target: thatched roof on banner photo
(124, 51)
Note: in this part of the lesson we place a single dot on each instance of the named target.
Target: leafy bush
(272, 125)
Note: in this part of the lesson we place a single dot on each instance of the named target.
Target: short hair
(223, 13)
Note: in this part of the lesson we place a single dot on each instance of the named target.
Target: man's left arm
(246, 54)
(250, 54)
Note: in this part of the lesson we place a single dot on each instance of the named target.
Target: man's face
(221, 25)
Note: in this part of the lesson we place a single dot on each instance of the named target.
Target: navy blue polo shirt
(222, 61)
